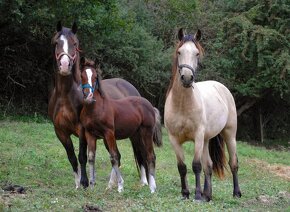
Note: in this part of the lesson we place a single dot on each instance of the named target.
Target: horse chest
(65, 116)
(181, 125)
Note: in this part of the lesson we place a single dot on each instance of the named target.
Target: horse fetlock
(121, 185)
(152, 183)
(77, 180)
(185, 194)
(237, 194)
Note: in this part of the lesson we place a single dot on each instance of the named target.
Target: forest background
(246, 42)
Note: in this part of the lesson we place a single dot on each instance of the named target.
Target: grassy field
(31, 156)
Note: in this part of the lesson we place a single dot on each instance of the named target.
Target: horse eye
(197, 54)
(178, 52)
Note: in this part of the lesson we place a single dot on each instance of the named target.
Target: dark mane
(186, 38)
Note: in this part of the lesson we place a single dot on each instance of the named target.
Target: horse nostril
(191, 78)
(182, 77)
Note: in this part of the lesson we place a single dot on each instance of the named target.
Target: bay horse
(203, 112)
(113, 119)
(65, 103)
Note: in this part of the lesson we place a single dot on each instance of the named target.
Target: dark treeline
(246, 47)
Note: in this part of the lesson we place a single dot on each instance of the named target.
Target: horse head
(91, 79)
(66, 48)
(188, 56)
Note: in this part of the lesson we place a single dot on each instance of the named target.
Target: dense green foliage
(246, 44)
(42, 168)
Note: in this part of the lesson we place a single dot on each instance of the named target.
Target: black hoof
(185, 194)
(237, 194)
(206, 198)
(85, 183)
(198, 197)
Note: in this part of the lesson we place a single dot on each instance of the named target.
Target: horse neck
(64, 84)
(183, 97)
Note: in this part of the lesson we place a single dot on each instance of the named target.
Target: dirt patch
(91, 208)
(9, 192)
(277, 169)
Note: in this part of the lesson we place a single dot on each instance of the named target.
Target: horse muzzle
(88, 99)
(65, 65)
(187, 80)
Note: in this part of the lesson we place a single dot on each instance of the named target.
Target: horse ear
(74, 28)
(197, 35)
(83, 61)
(180, 34)
(58, 26)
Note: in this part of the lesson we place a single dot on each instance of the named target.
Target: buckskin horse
(204, 112)
(65, 103)
(131, 117)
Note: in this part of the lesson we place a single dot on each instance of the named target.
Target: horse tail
(157, 135)
(217, 154)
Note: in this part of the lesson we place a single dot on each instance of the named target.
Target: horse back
(117, 88)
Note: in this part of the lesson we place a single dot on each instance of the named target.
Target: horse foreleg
(69, 148)
(196, 166)
(92, 154)
(181, 166)
(113, 177)
(112, 146)
(83, 158)
(207, 167)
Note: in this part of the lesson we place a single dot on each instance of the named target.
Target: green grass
(32, 156)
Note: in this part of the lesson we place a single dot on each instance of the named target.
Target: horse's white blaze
(64, 60)
(152, 184)
(89, 75)
(65, 43)
(143, 179)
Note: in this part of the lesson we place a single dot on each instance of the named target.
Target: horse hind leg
(140, 163)
(147, 151)
(233, 160)
(207, 168)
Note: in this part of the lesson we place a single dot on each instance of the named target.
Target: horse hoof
(85, 183)
(237, 194)
(120, 190)
(185, 197)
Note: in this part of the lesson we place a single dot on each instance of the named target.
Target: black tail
(157, 136)
(217, 154)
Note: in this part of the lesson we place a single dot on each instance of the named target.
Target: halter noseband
(87, 85)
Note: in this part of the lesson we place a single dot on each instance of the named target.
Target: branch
(246, 106)
(17, 83)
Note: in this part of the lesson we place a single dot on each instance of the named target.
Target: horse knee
(91, 157)
(196, 167)
(182, 169)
